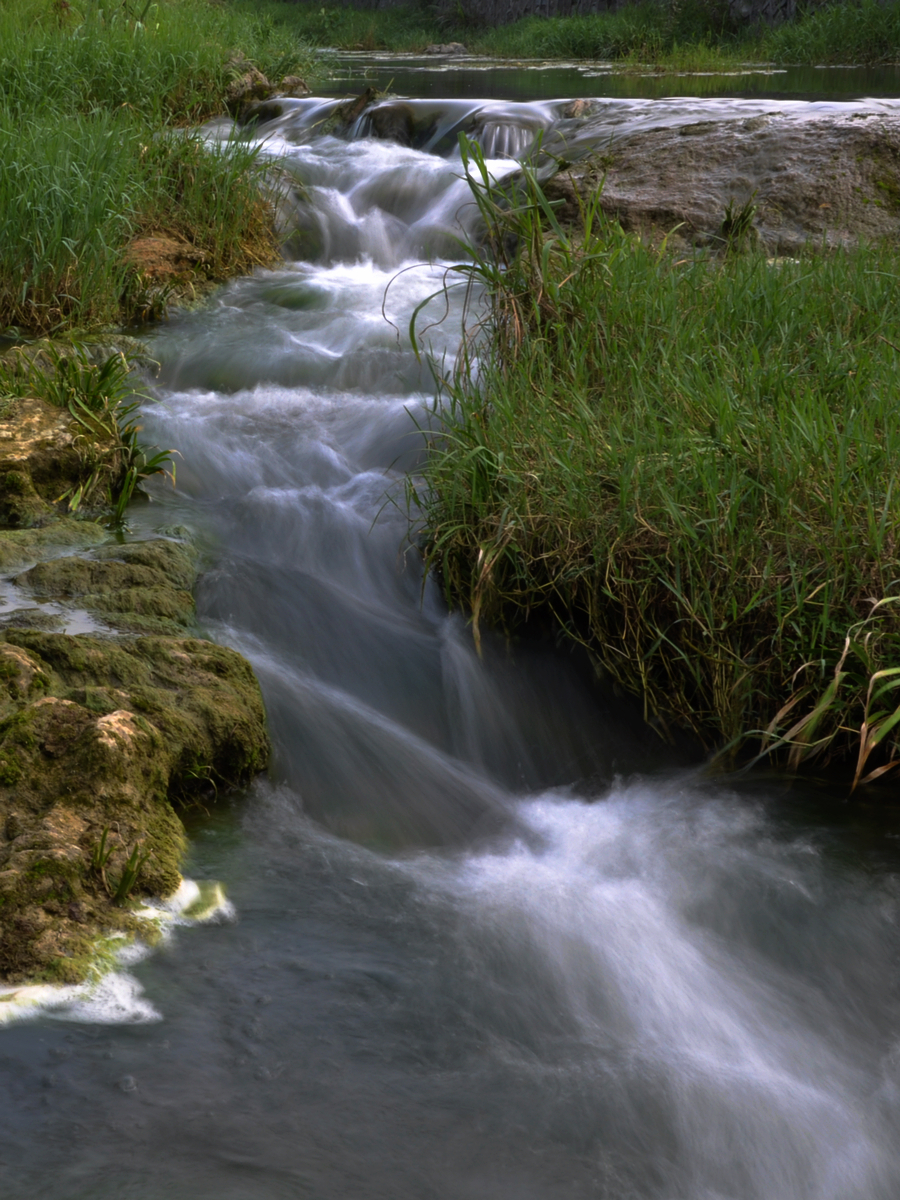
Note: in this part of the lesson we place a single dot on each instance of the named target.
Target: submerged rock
(451, 49)
(139, 587)
(22, 547)
(823, 182)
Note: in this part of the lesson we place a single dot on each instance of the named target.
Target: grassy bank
(700, 36)
(689, 35)
(89, 99)
(690, 466)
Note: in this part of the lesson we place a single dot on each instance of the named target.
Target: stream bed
(491, 939)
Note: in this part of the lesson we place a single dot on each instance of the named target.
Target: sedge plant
(687, 464)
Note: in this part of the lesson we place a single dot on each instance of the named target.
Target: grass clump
(688, 32)
(690, 466)
(404, 27)
(91, 101)
(172, 66)
(862, 32)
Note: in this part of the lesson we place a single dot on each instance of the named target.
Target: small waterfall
(491, 942)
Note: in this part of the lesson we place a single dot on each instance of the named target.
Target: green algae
(102, 734)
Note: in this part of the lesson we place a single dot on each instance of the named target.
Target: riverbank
(686, 461)
(115, 713)
(690, 36)
(109, 208)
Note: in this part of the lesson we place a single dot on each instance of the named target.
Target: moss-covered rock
(101, 737)
(98, 739)
(45, 457)
(140, 587)
(21, 547)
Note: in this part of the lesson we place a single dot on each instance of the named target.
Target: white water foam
(112, 996)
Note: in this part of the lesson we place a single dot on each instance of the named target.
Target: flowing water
(490, 939)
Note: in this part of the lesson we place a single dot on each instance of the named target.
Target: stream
(492, 940)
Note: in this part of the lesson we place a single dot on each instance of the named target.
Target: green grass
(866, 32)
(646, 33)
(700, 36)
(406, 27)
(690, 466)
(91, 98)
(690, 35)
(171, 67)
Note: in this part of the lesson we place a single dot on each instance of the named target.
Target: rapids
(490, 939)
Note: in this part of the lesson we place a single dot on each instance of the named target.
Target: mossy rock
(20, 547)
(140, 587)
(105, 737)
(46, 456)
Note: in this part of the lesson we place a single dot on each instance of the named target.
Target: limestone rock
(823, 182)
(140, 587)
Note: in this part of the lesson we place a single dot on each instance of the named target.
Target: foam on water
(611, 945)
(111, 995)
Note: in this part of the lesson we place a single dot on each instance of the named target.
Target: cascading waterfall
(488, 944)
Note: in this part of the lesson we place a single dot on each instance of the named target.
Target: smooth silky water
(491, 939)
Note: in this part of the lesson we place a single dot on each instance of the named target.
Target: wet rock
(101, 738)
(97, 739)
(813, 183)
(293, 85)
(446, 48)
(21, 547)
(344, 116)
(141, 587)
(260, 111)
(246, 84)
(45, 454)
(393, 123)
(580, 109)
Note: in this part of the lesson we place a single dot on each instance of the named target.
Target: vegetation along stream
(491, 937)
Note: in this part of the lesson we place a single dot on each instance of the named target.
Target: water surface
(493, 939)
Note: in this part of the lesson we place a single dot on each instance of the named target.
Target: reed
(863, 32)
(77, 190)
(689, 465)
(405, 27)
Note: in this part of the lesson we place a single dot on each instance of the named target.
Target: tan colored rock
(293, 85)
(164, 259)
(247, 84)
(823, 182)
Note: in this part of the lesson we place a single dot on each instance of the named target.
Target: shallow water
(498, 79)
(491, 939)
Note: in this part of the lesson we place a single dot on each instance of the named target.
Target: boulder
(824, 182)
